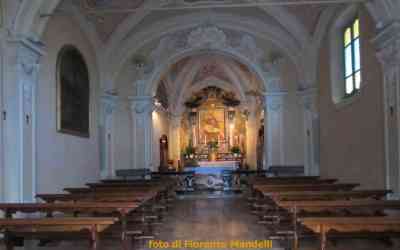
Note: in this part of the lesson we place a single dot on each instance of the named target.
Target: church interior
(200, 124)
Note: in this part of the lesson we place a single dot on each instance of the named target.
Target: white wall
(64, 160)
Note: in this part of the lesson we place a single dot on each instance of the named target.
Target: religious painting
(72, 93)
(211, 125)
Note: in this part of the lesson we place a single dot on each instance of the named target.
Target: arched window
(345, 56)
(72, 92)
(352, 62)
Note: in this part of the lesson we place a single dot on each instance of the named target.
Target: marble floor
(222, 220)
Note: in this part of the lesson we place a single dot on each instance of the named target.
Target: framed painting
(73, 93)
(212, 125)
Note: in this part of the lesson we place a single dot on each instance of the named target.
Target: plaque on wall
(72, 93)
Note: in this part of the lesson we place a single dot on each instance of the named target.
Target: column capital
(142, 104)
(387, 43)
(109, 102)
(274, 100)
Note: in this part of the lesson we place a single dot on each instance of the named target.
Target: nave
(291, 212)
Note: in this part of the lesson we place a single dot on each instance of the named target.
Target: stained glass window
(352, 58)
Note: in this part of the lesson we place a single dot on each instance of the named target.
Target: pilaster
(387, 44)
(141, 111)
(21, 74)
(309, 100)
(109, 103)
(273, 122)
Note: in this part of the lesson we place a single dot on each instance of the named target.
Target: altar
(216, 175)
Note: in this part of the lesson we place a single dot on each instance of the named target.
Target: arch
(157, 74)
(276, 35)
(187, 77)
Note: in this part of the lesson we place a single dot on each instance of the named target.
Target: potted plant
(235, 150)
(189, 155)
(189, 152)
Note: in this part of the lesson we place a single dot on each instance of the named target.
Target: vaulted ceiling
(107, 15)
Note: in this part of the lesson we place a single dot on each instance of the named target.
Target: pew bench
(264, 188)
(373, 225)
(64, 228)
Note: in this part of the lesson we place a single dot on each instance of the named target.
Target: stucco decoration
(208, 37)
(272, 73)
(28, 67)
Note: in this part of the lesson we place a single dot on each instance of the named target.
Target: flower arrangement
(212, 145)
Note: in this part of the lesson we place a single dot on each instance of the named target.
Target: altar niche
(213, 128)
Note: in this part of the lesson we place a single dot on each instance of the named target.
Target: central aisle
(202, 219)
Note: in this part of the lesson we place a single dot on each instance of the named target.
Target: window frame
(345, 16)
(354, 71)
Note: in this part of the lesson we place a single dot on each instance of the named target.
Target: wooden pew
(43, 227)
(375, 225)
(276, 181)
(121, 210)
(265, 188)
(103, 197)
(269, 199)
(327, 195)
(335, 208)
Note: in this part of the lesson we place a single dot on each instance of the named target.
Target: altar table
(214, 174)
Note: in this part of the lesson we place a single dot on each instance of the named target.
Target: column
(252, 125)
(388, 51)
(21, 74)
(273, 125)
(309, 100)
(109, 103)
(142, 126)
(175, 138)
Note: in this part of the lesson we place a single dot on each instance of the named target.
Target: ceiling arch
(280, 38)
